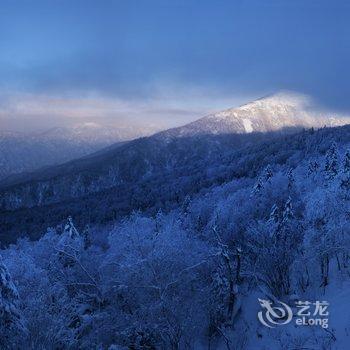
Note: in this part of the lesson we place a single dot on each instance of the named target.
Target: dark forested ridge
(152, 174)
(28, 151)
(205, 139)
(157, 171)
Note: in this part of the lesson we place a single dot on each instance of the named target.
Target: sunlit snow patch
(247, 125)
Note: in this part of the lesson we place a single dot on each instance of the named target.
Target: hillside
(121, 175)
(186, 257)
(25, 152)
(131, 162)
(281, 111)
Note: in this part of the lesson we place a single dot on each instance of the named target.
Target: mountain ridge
(108, 184)
(270, 113)
(132, 161)
(22, 152)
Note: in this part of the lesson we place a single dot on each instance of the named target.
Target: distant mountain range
(24, 152)
(112, 182)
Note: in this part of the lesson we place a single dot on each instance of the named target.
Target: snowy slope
(272, 113)
(292, 336)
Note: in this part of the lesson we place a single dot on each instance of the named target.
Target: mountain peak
(284, 110)
(283, 97)
(286, 99)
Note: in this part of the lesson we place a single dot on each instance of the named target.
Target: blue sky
(167, 61)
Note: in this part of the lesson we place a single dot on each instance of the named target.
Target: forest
(186, 269)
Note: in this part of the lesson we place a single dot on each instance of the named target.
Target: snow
(247, 125)
(271, 113)
(179, 265)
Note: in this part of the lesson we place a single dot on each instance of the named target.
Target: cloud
(158, 62)
(166, 106)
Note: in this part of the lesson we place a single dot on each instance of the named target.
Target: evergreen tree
(86, 237)
(70, 244)
(225, 278)
(291, 179)
(12, 330)
(267, 173)
(158, 222)
(331, 164)
(186, 205)
(69, 229)
(345, 178)
(265, 176)
(274, 215)
(288, 211)
(274, 220)
(346, 162)
(286, 241)
(257, 187)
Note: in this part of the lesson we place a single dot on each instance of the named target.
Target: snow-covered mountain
(23, 152)
(208, 142)
(278, 112)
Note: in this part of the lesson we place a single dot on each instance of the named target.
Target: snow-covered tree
(69, 229)
(158, 221)
(275, 244)
(313, 167)
(267, 173)
(86, 237)
(12, 329)
(257, 187)
(264, 177)
(331, 167)
(346, 162)
(186, 205)
(274, 220)
(345, 171)
(288, 211)
(70, 237)
(274, 215)
(319, 241)
(291, 179)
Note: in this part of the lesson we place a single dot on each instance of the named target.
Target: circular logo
(273, 316)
